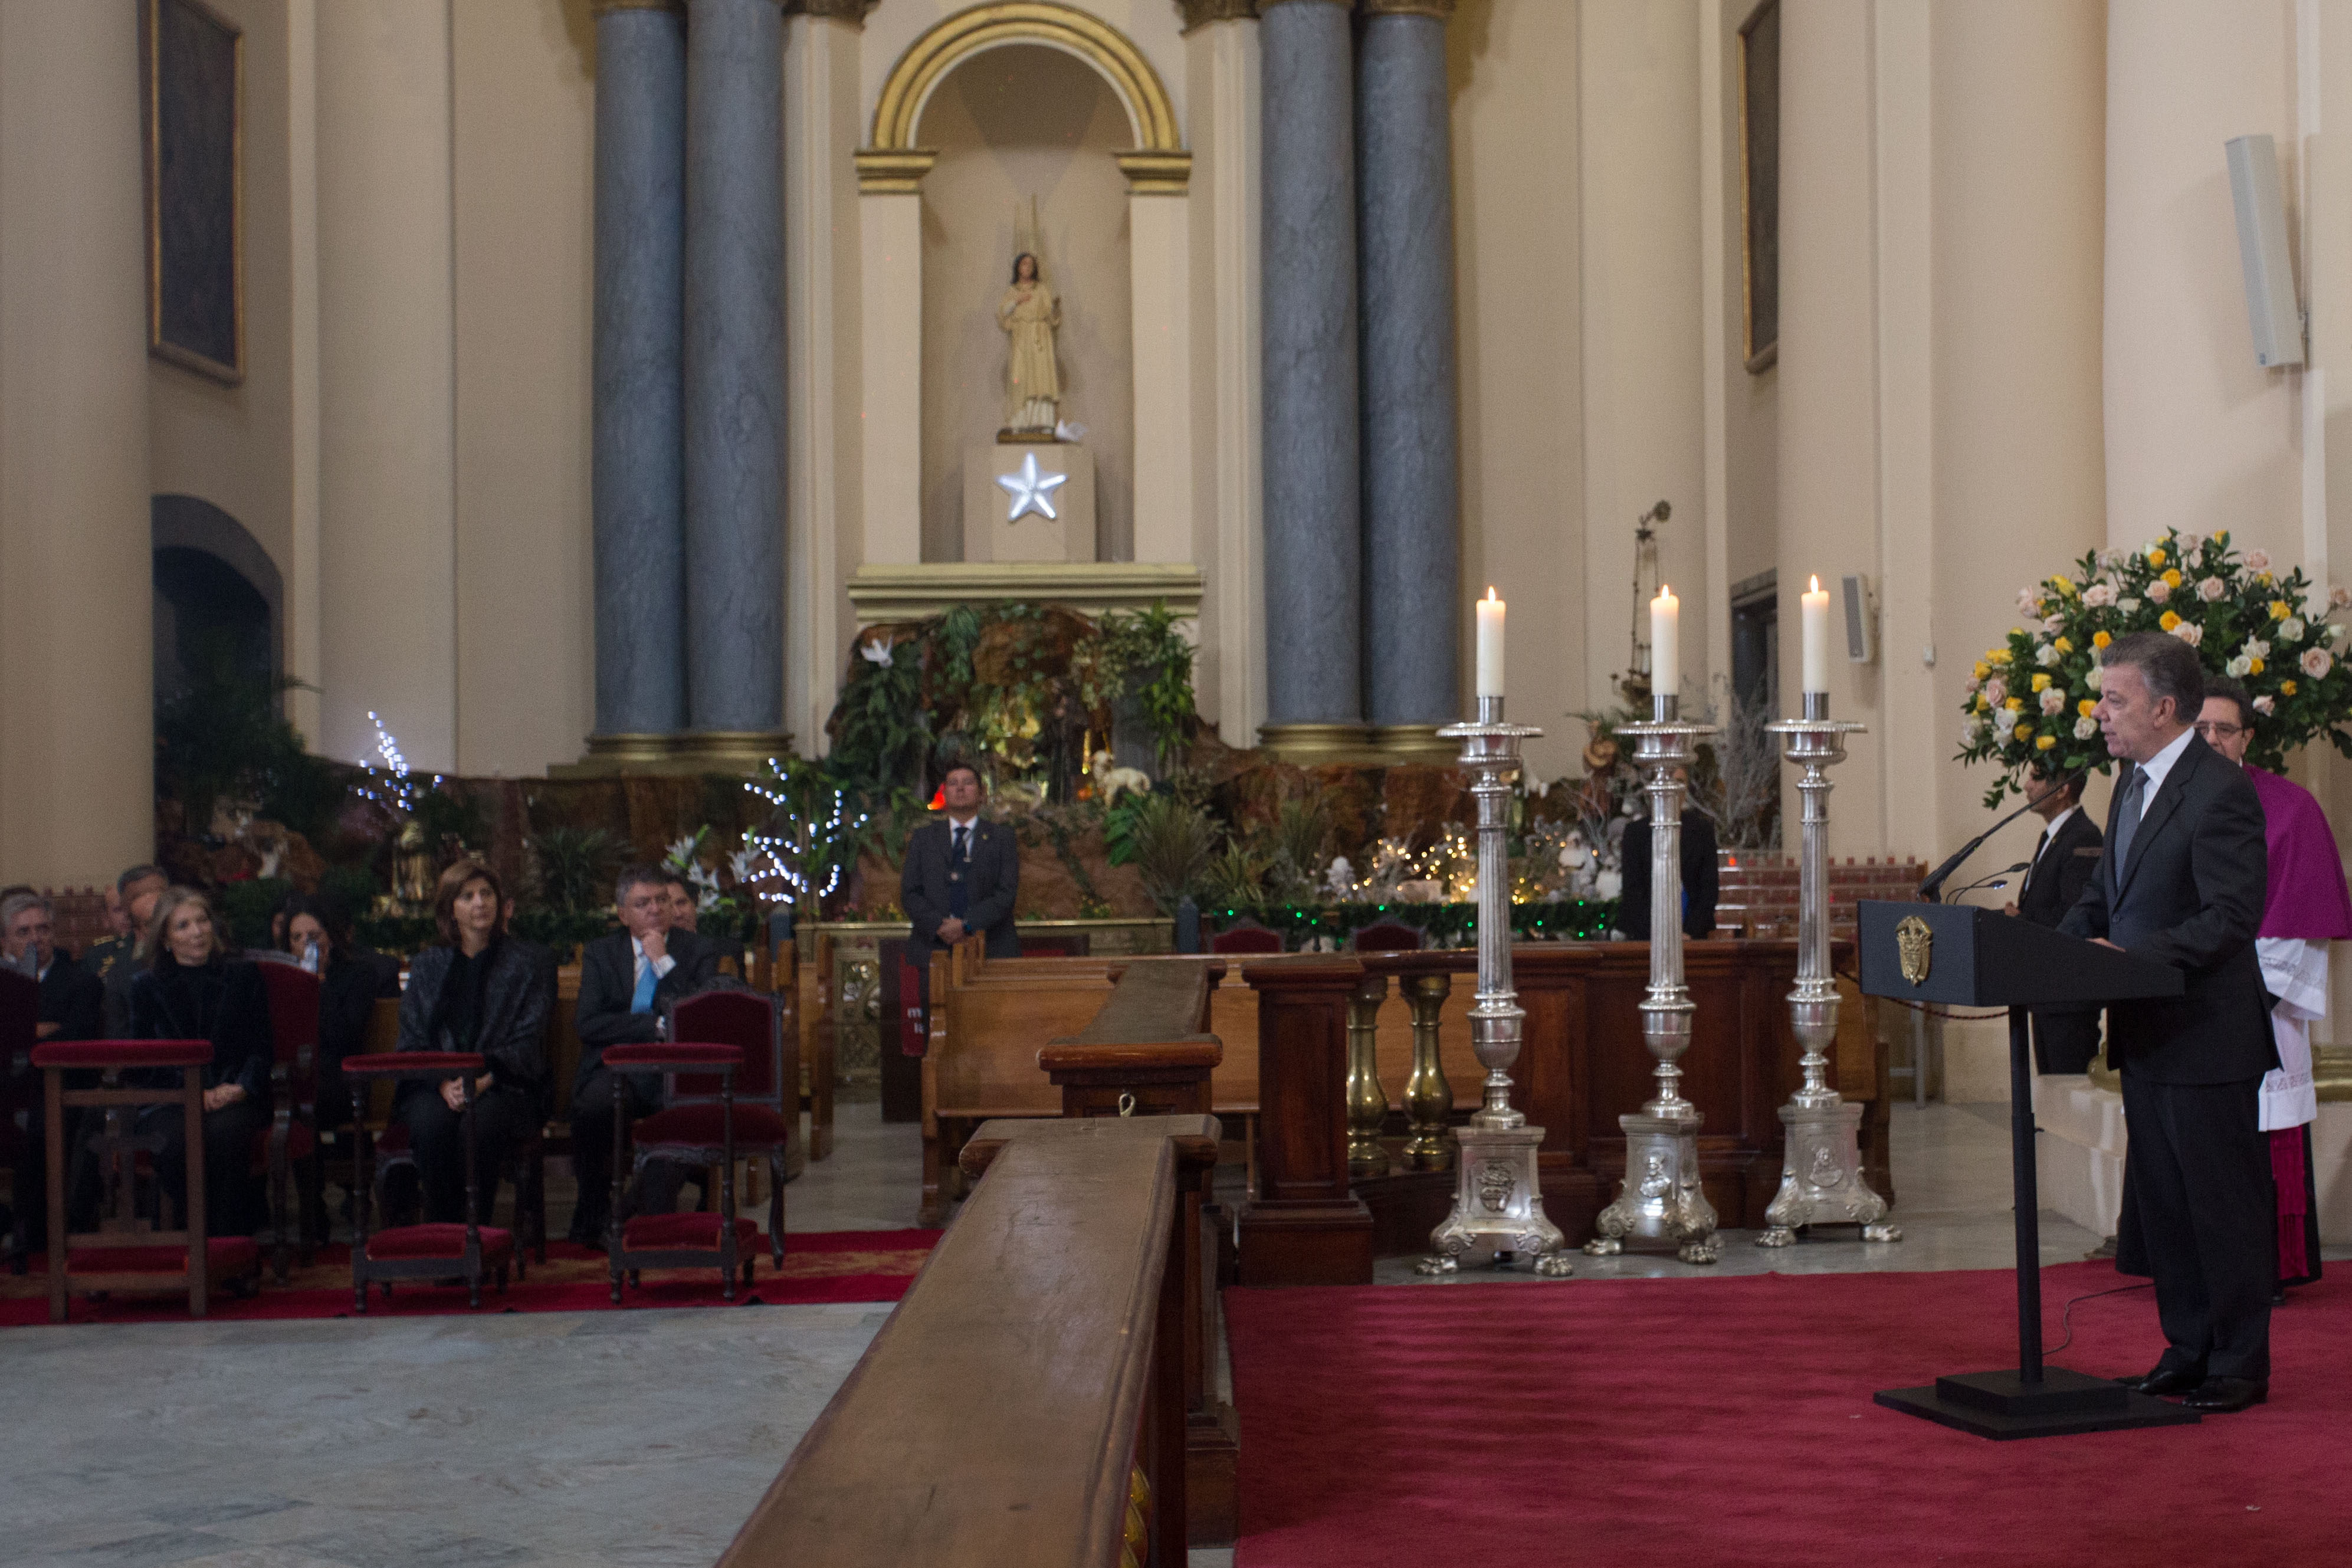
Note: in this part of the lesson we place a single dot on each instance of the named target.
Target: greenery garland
(2030, 698)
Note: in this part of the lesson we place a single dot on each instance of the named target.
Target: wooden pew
(989, 1016)
(1075, 1346)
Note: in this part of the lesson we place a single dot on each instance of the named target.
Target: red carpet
(1705, 1422)
(824, 1266)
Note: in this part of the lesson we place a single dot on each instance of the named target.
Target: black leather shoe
(2223, 1395)
(2165, 1382)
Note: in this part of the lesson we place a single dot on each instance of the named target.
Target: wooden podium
(1964, 956)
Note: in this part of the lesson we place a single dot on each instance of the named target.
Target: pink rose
(2099, 596)
(2258, 560)
(2190, 632)
(2210, 589)
(2263, 705)
(2317, 662)
(1995, 691)
(2159, 591)
(2054, 702)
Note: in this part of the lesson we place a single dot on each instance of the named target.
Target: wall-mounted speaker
(2261, 251)
(1861, 621)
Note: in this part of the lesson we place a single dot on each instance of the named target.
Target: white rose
(2256, 648)
(2340, 597)
(2263, 705)
(2159, 591)
(2085, 727)
(2291, 629)
(2046, 655)
(1974, 733)
(2258, 560)
(2097, 680)
(2339, 632)
(2210, 588)
(2190, 543)
(2317, 662)
(2190, 632)
(2003, 722)
(2099, 596)
(2054, 702)
(2128, 607)
(2029, 601)
(2237, 667)
(2054, 623)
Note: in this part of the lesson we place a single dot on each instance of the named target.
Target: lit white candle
(1665, 648)
(1816, 603)
(1490, 646)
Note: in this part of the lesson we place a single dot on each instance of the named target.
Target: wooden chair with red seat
(1246, 936)
(286, 1151)
(686, 1130)
(425, 1251)
(120, 1256)
(698, 1240)
(1388, 936)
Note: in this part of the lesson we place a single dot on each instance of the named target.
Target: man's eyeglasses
(2209, 730)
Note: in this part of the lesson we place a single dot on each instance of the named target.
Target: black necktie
(2128, 817)
(2033, 865)
(962, 849)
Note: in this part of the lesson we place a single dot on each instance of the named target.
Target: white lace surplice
(2294, 969)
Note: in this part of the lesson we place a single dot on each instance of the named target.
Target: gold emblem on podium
(1914, 943)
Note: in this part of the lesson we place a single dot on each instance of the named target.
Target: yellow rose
(2085, 706)
(2253, 667)
(1984, 703)
(1982, 669)
(2043, 743)
(2287, 689)
(2063, 645)
(2100, 639)
(2062, 584)
(2041, 683)
(2015, 704)
(2279, 609)
(2017, 631)
(2023, 731)
(2264, 578)
(2167, 620)
(2156, 557)
(1998, 655)
(2173, 579)
(2220, 536)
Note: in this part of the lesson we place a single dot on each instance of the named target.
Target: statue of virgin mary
(1033, 384)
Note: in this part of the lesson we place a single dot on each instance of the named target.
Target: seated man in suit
(2064, 1041)
(69, 1010)
(686, 914)
(961, 876)
(627, 980)
(2183, 883)
(112, 959)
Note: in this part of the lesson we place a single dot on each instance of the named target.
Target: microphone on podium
(1930, 890)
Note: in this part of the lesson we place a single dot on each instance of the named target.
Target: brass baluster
(1428, 1097)
(1367, 1102)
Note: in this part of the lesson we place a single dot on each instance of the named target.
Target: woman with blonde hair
(192, 990)
(476, 990)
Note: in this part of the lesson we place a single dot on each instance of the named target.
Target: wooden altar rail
(1034, 1365)
(1581, 1065)
(988, 1019)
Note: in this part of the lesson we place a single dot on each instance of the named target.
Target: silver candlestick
(1821, 1172)
(1661, 1199)
(1499, 1191)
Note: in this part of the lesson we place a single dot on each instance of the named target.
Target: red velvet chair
(286, 1151)
(1247, 936)
(120, 1256)
(1388, 936)
(688, 1129)
(720, 1240)
(469, 1251)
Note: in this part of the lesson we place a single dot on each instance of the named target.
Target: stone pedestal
(989, 535)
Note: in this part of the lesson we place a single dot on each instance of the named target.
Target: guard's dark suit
(2065, 1039)
(2197, 1210)
(1700, 877)
(990, 882)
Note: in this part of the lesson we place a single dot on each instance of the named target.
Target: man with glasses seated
(2307, 907)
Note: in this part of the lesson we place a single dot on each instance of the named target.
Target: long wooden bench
(1052, 1310)
(988, 1019)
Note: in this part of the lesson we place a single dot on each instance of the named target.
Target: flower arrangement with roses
(2030, 699)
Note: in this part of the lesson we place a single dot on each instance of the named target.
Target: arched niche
(216, 591)
(1156, 170)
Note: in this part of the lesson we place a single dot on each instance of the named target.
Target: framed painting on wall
(1760, 168)
(192, 66)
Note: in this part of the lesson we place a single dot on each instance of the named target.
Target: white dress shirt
(662, 965)
(2049, 836)
(2158, 765)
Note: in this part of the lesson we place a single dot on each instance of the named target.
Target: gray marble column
(734, 366)
(640, 539)
(1314, 563)
(1413, 590)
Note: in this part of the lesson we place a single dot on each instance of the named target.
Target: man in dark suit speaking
(961, 876)
(2183, 883)
(2065, 1038)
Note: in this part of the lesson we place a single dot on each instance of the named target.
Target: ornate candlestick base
(1820, 1172)
(1499, 1191)
(1661, 1200)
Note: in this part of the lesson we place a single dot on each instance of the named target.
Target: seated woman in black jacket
(193, 991)
(476, 990)
(318, 936)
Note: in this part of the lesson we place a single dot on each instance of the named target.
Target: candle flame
(1816, 587)
(1665, 591)
(1490, 594)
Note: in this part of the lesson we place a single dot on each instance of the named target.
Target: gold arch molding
(892, 163)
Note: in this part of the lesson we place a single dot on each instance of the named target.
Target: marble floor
(494, 1439)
